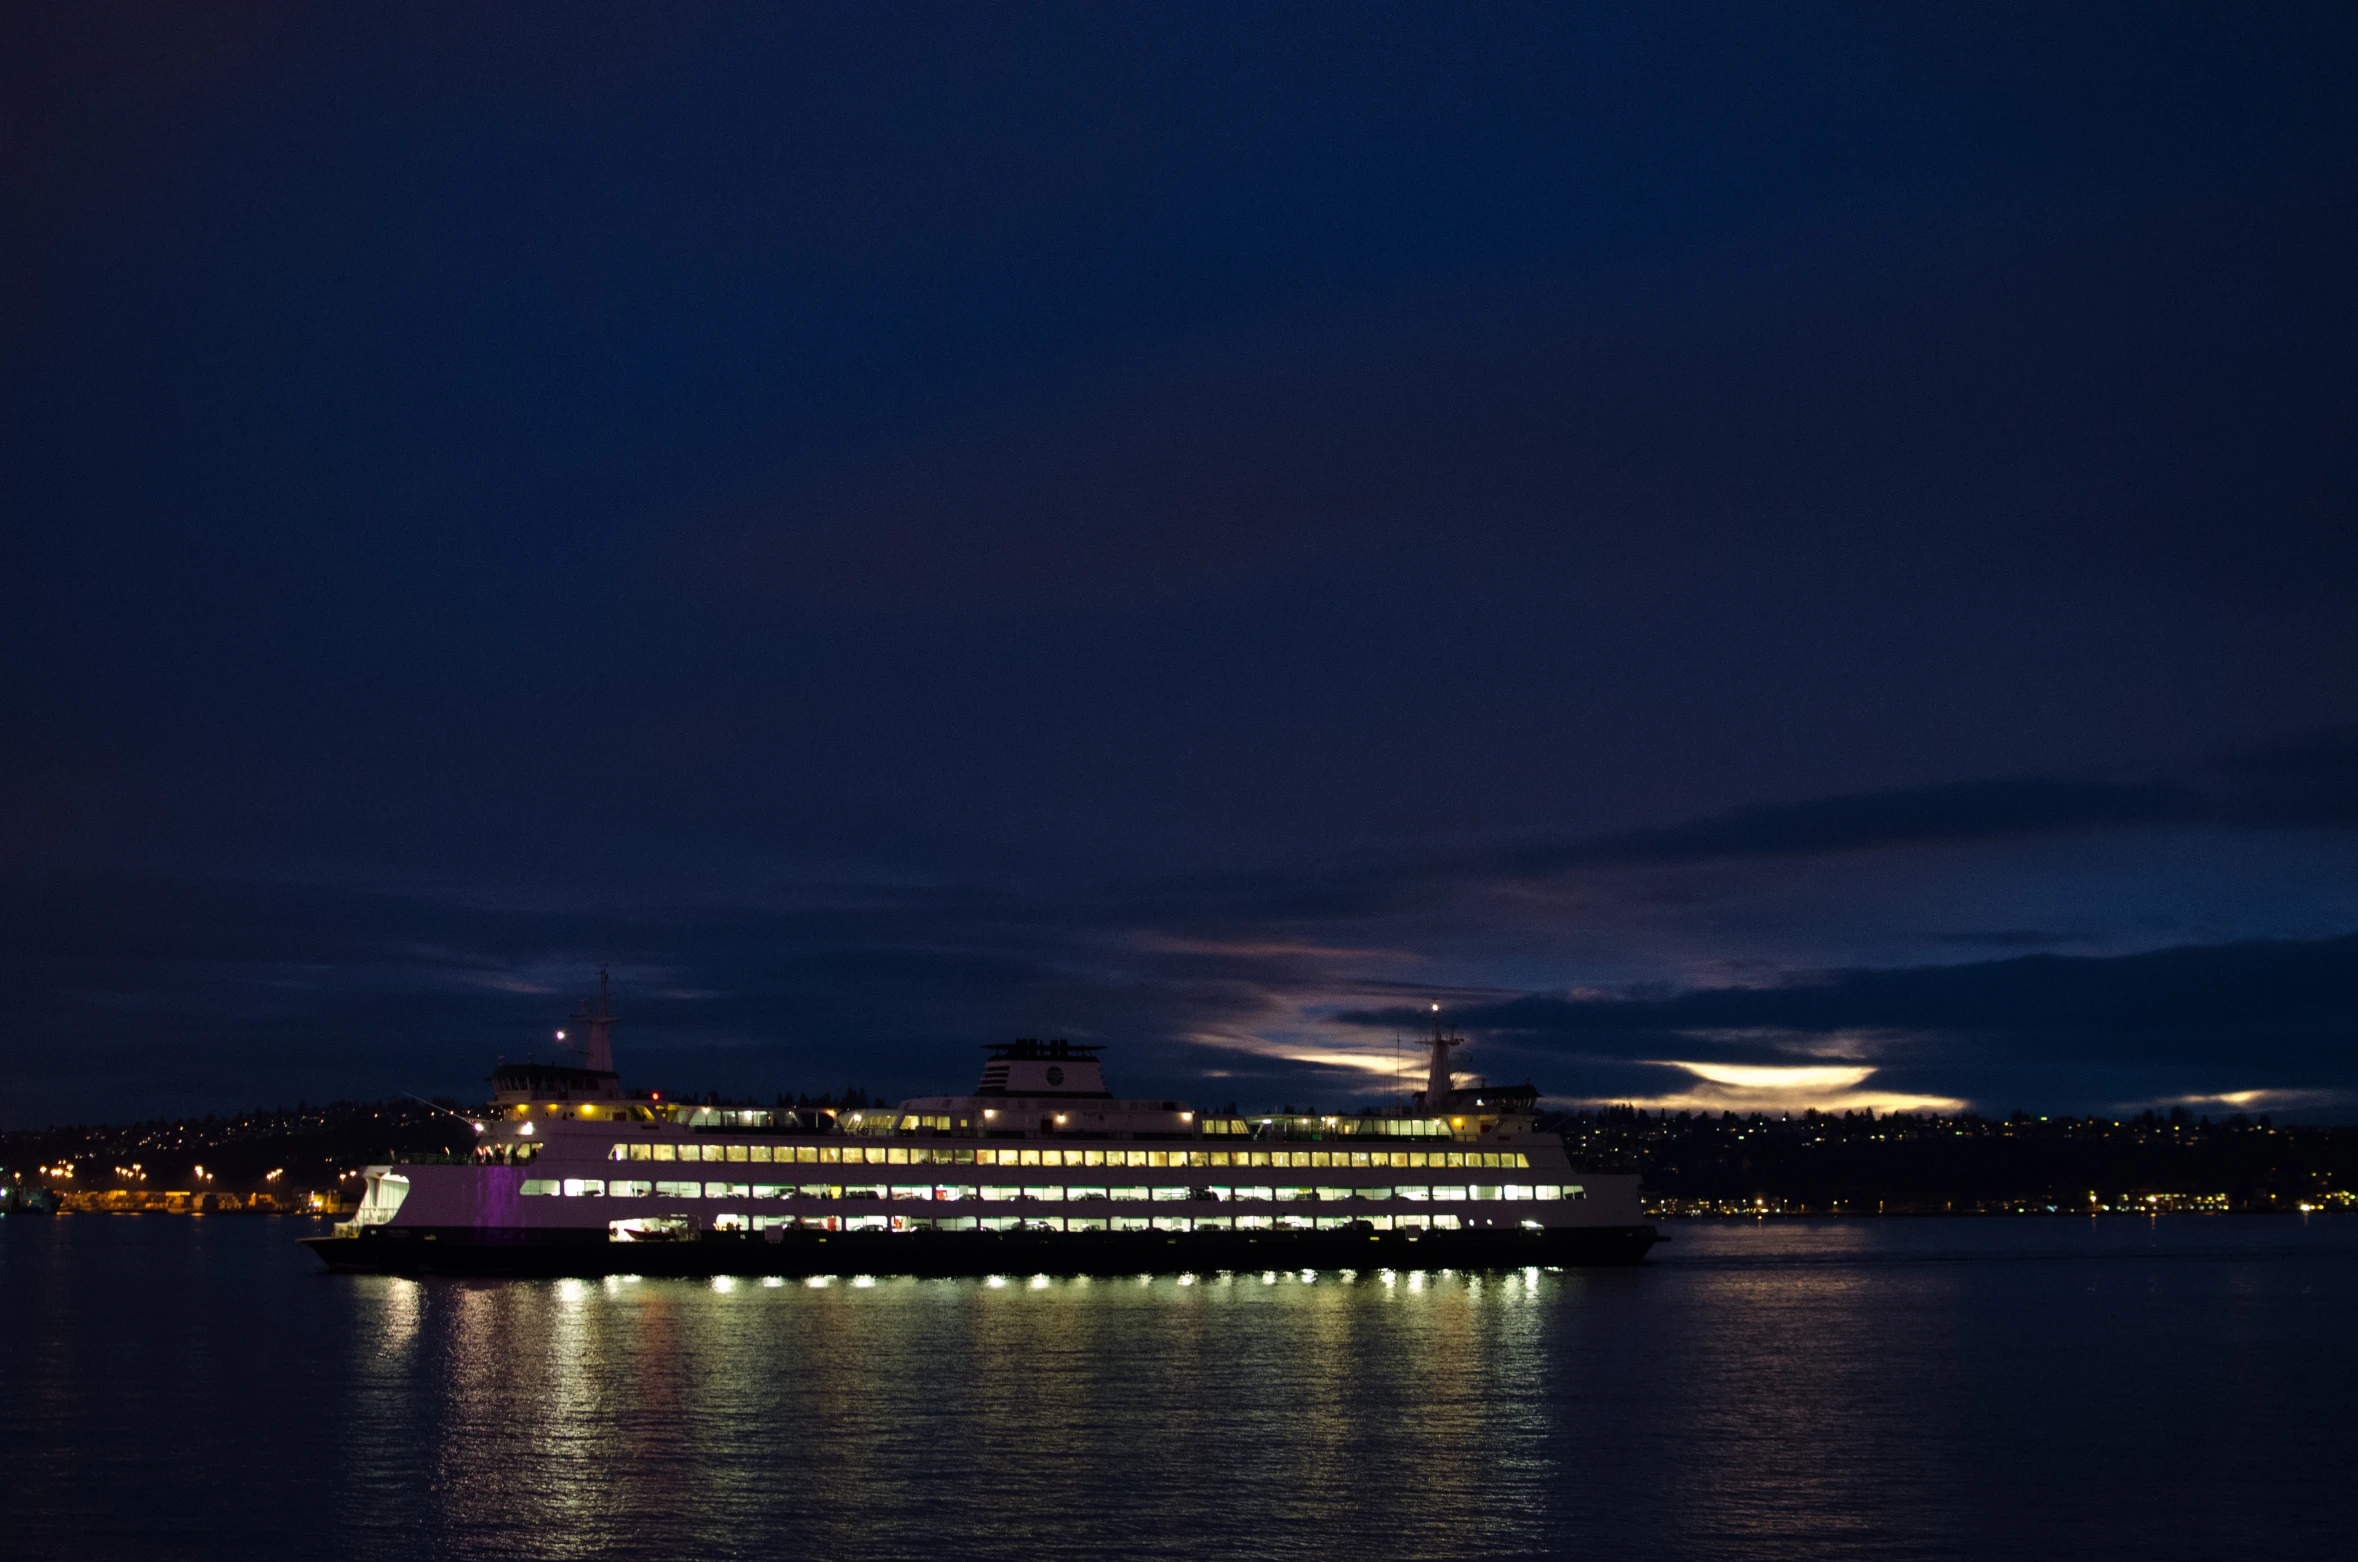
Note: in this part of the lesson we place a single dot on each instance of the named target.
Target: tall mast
(1437, 1079)
(597, 1053)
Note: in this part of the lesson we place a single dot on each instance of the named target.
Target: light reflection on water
(1893, 1388)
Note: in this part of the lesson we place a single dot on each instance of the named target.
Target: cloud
(1778, 1090)
(1757, 1093)
(2252, 1101)
(2004, 809)
(1287, 980)
(1757, 1076)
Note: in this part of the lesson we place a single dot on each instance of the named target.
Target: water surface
(2181, 1387)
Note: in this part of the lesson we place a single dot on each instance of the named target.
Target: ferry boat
(1042, 1169)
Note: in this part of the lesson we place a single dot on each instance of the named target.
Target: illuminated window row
(625, 1229)
(1368, 1127)
(928, 1155)
(1046, 1193)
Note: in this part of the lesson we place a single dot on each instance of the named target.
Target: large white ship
(1041, 1168)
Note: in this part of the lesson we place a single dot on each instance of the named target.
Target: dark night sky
(1712, 543)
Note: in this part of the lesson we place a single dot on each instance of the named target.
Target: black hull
(459, 1251)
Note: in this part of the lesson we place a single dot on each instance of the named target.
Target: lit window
(537, 1187)
(1169, 1195)
(678, 1190)
(1139, 1194)
(629, 1190)
(584, 1188)
(663, 1152)
(735, 1152)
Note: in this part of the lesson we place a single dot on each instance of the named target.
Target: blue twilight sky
(1759, 556)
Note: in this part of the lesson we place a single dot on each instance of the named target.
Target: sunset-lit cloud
(1776, 1090)
(1345, 1059)
(2248, 1101)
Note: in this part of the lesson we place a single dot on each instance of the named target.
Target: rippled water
(2051, 1388)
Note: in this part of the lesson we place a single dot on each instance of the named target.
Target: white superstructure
(1041, 1145)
